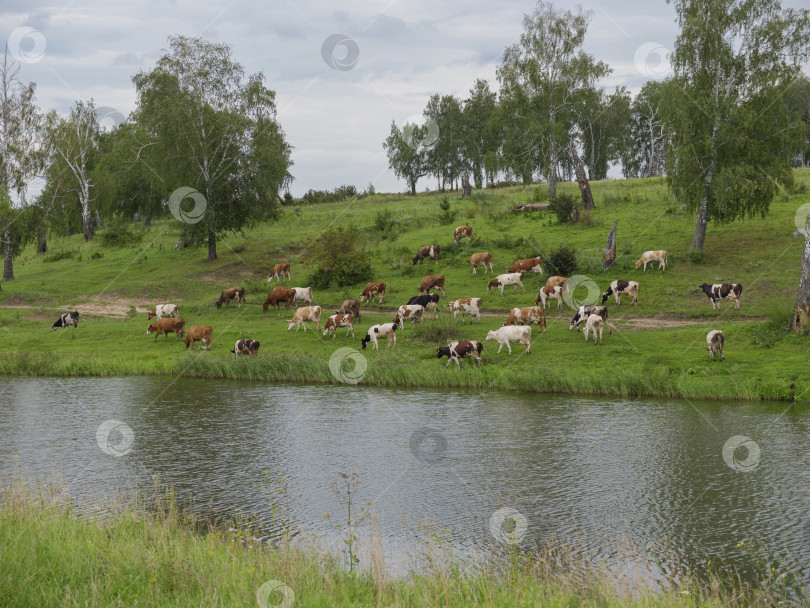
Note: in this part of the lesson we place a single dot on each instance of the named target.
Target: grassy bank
(52, 557)
(657, 350)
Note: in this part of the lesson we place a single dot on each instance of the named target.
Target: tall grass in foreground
(53, 555)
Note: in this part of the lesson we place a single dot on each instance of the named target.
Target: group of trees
(200, 123)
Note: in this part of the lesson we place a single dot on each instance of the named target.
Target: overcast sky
(335, 116)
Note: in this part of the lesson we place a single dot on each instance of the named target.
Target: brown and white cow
(234, 293)
(304, 294)
(167, 326)
(432, 281)
(648, 257)
(531, 315)
(561, 281)
(504, 280)
(163, 310)
(279, 270)
(466, 306)
(459, 349)
(505, 335)
(69, 319)
(409, 311)
(550, 293)
(339, 320)
(371, 290)
(534, 265)
(199, 333)
(349, 307)
(246, 346)
(462, 232)
(619, 288)
(481, 259)
(723, 291)
(715, 340)
(303, 314)
(277, 296)
(430, 251)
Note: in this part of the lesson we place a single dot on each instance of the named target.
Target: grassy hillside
(658, 347)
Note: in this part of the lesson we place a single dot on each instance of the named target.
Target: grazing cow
(585, 311)
(408, 311)
(723, 291)
(550, 293)
(303, 314)
(534, 265)
(277, 296)
(349, 307)
(715, 340)
(199, 333)
(481, 259)
(531, 315)
(246, 347)
(648, 257)
(304, 294)
(432, 281)
(594, 324)
(619, 288)
(466, 306)
(371, 290)
(459, 349)
(339, 320)
(163, 310)
(513, 333)
(234, 293)
(166, 326)
(429, 301)
(561, 281)
(279, 270)
(461, 232)
(427, 252)
(504, 280)
(384, 330)
(69, 319)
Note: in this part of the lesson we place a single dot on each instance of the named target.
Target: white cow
(504, 280)
(594, 324)
(466, 306)
(512, 333)
(383, 330)
(163, 310)
(648, 257)
(304, 294)
(305, 313)
(715, 339)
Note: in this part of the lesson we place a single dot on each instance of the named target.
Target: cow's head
(491, 336)
(639, 262)
(444, 351)
(607, 294)
(151, 314)
(415, 260)
(707, 289)
(493, 283)
(150, 329)
(218, 303)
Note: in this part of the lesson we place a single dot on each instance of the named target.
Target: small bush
(97, 256)
(288, 199)
(447, 215)
(119, 235)
(562, 261)
(59, 255)
(337, 260)
(384, 222)
(563, 206)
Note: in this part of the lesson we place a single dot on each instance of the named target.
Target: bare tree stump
(582, 178)
(802, 310)
(42, 246)
(609, 258)
(465, 185)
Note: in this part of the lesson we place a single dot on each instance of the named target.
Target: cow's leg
(500, 346)
(509, 347)
(479, 318)
(528, 344)
(458, 365)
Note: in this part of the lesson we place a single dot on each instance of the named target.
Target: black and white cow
(246, 347)
(723, 291)
(461, 349)
(619, 288)
(587, 310)
(69, 319)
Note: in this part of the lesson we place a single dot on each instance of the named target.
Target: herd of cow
(516, 327)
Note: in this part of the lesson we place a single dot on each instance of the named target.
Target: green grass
(53, 556)
(763, 361)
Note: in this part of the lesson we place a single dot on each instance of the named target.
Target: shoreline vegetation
(153, 553)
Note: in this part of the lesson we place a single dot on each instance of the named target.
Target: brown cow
(166, 326)
(432, 281)
(233, 293)
(277, 296)
(481, 259)
(461, 232)
(561, 281)
(534, 265)
(431, 251)
(531, 315)
(199, 333)
(371, 290)
(279, 270)
(349, 307)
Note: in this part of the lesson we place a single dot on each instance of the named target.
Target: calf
(561, 281)
(531, 315)
(234, 293)
(594, 324)
(277, 296)
(304, 314)
(481, 259)
(723, 291)
(504, 280)
(648, 257)
(431, 251)
(513, 333)
(246, 347)
(585, 311)
(339, 320)
(350, 307)
(166, 326)
(432, 281)
(550, 293)
(462, 232)
(409, 311)
(199, 333)
(371, 290)
(163, 310)
(384, 330)
(304, 294)
(460, 349)
(466, 306)
(279, 270)
(619, 288)
(69, 319)
(534, 265)
(715, 340)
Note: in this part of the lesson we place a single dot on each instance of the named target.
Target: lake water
(596, 474)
